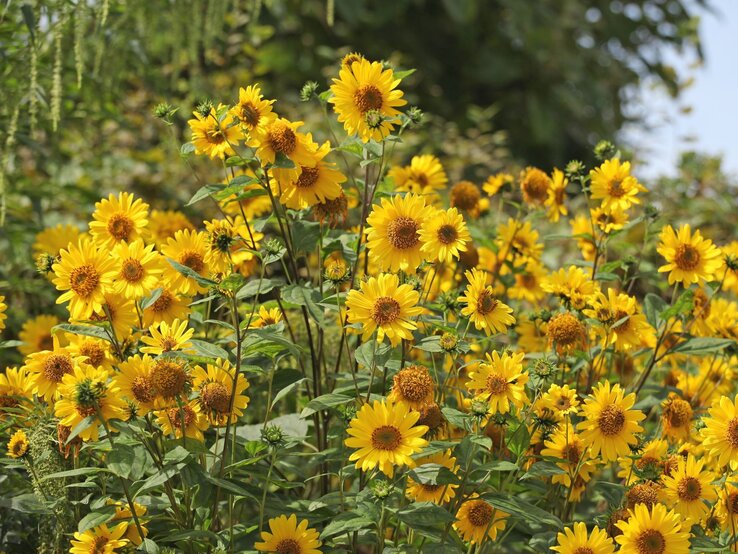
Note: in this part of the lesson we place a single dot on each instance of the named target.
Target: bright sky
(711, 126)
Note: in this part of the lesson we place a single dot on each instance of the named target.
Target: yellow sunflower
(500, 381)
(609, 220)
(482, 308)
(168, 338)
(365, 98)
(123, 512)
(720, 433)
(516, 239)
(266, 316)
(582, 230)
(726, 507)
(386, 436)
(166, 308)
(495, 182)
(215, 387)
(477, 520)
(572, 285)
(557, 195)
(653, 531)
(87, 393)
(187, 248)
(36, 334)
(528, 282)
(119, 312)
(216, 133)
(53, 239)
(614, 186)
(15, 387)
(188, 416)
(393, 233)
(229, 243)
(564, 444)
(424, 175)
(286, 535)
(576, 540)
(18, 444)
(135, 383)
(46, 369)
(688, 488)
(561, 400)
(164, 223)
(566, 333)
(384, 305)
(444, 235)
(118, 219)
(139, 269)
(279, 136)
(97, 352)
(100, 540)
(690, 258)
(648, 464)
(3, 309)
(412, 386)
(466, 197)
(535, 186)
(85, 273)
(252, 109)
(624, 325)
(610, 425)
(431, 492)
(170, 379)
(676, 414)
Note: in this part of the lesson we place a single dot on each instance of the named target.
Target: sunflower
(317, 182)
(15, 387)
(135, 383)
(433, 492)
(444, 235)
(36, 334)
(730, 253)
(609, 220)
(46, 369)
(167, 307)
(119, 312)
(568, 446)
(466, 197)
(482, 308)
(229, 243)
(653, 531)
(96, 352)
(53, 239)
(365, 98)
(170, 379)
(187, 248)
(138, 267)
(163, 224)
(572, 285)
(518, 239)
(690, 258)
(575, 540)
(87, 393)
(688, 487)
(528, 282)
(171, 421)
(3, 309)
(116, 220)
(561, 400)
(386, 435)
(720, 433)
(252, 110)
(566, 333)
(393, 233)
(286, 535)
(648, 464)
(535, 186)
(215, 134)
(614, 186)
(625, 325)
(424, 175)
(265, 317)
(610, 425)
(477, 520)
(18, 444)
(215, 387)
(279, 137)
(582, 230)
(123, 512)
(557, 195)
(500, 381)
(676, 414)
(84, 272)
(168, 338)
(495, 182)
(726, 507)
(412, 386)
(100, 540)
(384, 305)
(252, 201)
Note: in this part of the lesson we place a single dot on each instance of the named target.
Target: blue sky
(711, 125)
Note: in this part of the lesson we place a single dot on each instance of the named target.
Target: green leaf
(373, 354)
(186, 150)
(86, 330)
(542, 469)
(434, 474)
(683, 305)
(189, 272)
(325, 402)
(346, 522)
(230, 487)
(286, 390)
(516, 506)
(252, 288)
(205, 192)
(305, 235)
(98, 517)
(74, 473)
(159, 478)
(208, 350)
(125, 460)
(304, 295)
(702, 345)
(653, 306)
(283, 162)
(402, 74)
(151, 298)
(455, 417)
(430, 344)
(424, 514)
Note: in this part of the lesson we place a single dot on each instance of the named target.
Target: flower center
(120, 226)
(98, 545)
(486, 303)
(611, 420)
(19, 448)
(168, 344)
(368, 97)
(132, 270)
(731, 503)
(584, 550)
(402, 233)
(572, 453)
(215, 134)
(46, 342)
(565, 329)
(480, 514)
(176, 415)
(497, 384)
(465, 195)
(447, 234)
(431, 416)
(415, 383)
(216, 397)
(563, 403)
(163, 303)
(250, 114)
(689, 489)
(193, 260)
(308, 177)
(385, 310)
(141, 389)
(94, 352)
(732, 433)
(651, 542)
(84, 280)
(57, 366)
(678, 412)
(288, 546)
(615, 188)
(386, 437)
(168, 378)
(625, 325)
(687, 257)
(535, 186)
(282, 138)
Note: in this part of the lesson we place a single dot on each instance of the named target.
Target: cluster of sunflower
(470, 384)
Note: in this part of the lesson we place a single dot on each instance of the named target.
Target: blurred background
(504, 84)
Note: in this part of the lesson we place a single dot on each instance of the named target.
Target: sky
(711, 125)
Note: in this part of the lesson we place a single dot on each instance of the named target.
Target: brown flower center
(731, 503)
(216, 397)
(168, 378)
(431, 416)
(162, 304)
(368, 97)
(46, 342)
(615, 188)
(414, 383)
(687, 257)
(651, 542)
(308, 177)
(480, 513)
(56, 366)
(141, 388)
(288, 546)
(486, 303)
(611, 420)
(215, 134)
(98, 545)
(645, 493)
(497, 384)
(385, 310)
(176, 415)
(131, 270)
(250, 114)
(282, 138)
(402, 233)
(193, 260)
(94, 352)
(565, 329)
(168, 344)
(465, 195)
(625, 325)
(386, 437)
(678, 412)
(572, 453)
(535, 186)
(84, 280)
(447, 234)
(120, 226)
(732, 433)
(689, 489)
